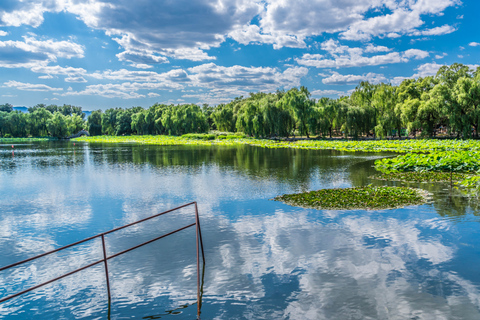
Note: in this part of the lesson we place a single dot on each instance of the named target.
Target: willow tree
(467, 94)
(299, 103)
(388, 118)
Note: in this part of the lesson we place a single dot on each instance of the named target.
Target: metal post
(197, 221)
(106, 269)
(198, 268)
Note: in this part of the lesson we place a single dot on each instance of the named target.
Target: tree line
(448, 102)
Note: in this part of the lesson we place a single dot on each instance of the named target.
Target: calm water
(265, 260)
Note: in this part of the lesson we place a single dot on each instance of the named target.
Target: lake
(264, 259)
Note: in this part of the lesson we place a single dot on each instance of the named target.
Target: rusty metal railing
(199, 244)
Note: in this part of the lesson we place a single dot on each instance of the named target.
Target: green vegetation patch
(369, 198)
(422, 176)
(470, 186)
(446, 161)
(399, 146)
(5, 140)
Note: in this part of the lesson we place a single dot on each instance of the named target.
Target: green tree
(298, 101)
(57, 125)
(75, 123)
(94, 123)
(109, 121)
(38, 122)
(224, 118)
(7, 107)
(123, 125)
(467, 94)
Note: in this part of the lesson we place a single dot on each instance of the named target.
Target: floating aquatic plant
(422, 176)
(368, 197)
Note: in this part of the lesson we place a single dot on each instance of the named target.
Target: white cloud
(373, 48)
(75, 79)
(31, 52)
(424, 70)
(213, 76)
(474, 44)
(441, 56)
(405, 18)
(58, 70)
(446, 29)
(416, 54)
(27, 12)
(171, 78)
(29, 86)
(3, 33)
(48, 76)
(141, 57)
(153, 94)
(340, 79)
(186, 29)
(344, 57)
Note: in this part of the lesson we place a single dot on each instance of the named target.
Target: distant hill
(22, 109)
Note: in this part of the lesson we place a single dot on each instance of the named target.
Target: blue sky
(103, 54)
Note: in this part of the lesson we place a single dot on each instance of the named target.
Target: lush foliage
(446, 104)
(456, 161)
(41, 121)
(369, 197)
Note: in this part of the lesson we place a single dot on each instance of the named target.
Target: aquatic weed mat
(421, 177)
(365, 198)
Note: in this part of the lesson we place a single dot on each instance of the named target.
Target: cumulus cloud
(29, 86)
(32, 52)
(404, 18)
(446, 29)
(3, 33)
(186, 29)
(373, 48)
(341, 56)
(340, 79)
(211, 75)
(223, 83)
(28, 12)
(424, 70)
(141, 58)
(474, 44)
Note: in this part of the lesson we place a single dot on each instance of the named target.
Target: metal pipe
(197, 219)
(198, 267)
(150, 241)
(50, 281)
(93, 237)
(106, 268)
(106, 258)
(47, 253)
(151, 217)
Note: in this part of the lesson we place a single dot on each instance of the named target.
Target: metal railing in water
(199, 243)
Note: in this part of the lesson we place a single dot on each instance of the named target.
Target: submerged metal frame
(199, 245)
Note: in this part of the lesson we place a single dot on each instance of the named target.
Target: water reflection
(265, 260)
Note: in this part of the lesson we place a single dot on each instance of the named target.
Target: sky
(103, 54)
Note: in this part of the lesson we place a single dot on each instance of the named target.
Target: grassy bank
(13, 140)
(398, 146)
